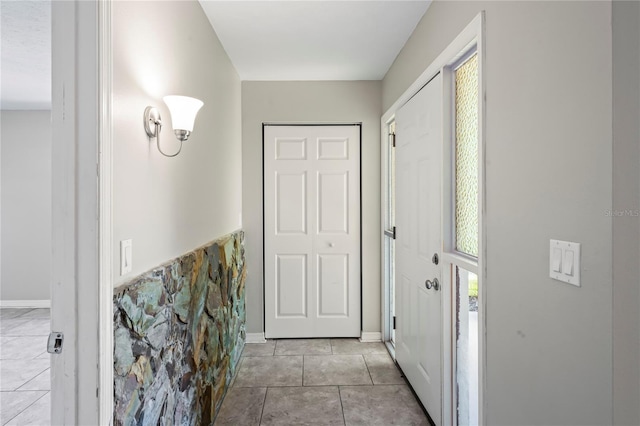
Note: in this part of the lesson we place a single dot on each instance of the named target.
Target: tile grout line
(368, 371)
(32, 379)
(24, 313)
(235, 377)
(39, 355)
(291, 386)
(344, 420)
(27, 407)
(264, 402)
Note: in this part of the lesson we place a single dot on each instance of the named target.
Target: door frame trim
(81, 212)
(472, 35)
(305, 124)
(385, 302)
(105, 219)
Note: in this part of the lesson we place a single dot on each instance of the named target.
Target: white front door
(418, 239)
(312, 231)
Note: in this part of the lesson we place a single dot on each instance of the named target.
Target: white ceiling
(266, 40)
(25, 82)
(313, 40)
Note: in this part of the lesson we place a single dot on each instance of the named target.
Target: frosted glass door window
(466, 156)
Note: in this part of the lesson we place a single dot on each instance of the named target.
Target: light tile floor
(319, 382)
(24, 367)
(281, 382)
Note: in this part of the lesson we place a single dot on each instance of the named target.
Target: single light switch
(568, 263)
(556, 260)
(126, 256)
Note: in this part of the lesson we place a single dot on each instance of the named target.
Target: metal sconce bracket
(152, 121)
(153, 126)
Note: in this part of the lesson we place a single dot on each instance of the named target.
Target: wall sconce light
(183, 110)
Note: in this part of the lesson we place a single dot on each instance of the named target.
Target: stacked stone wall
(179, 331)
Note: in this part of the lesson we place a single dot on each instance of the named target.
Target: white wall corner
(255, 338)
(25, 303)
(370, 336)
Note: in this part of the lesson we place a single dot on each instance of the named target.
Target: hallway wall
(548, 175)
(311, 102)
(170, 206)
(626, 199)
(26, 206)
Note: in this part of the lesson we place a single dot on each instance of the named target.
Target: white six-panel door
(418, 212)
(312, 231)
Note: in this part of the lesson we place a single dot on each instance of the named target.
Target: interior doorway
(312, 231)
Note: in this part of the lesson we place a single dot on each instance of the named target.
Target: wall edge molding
(255, 338)
(370, 336)
(25, 303)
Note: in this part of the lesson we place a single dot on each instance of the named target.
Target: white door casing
(418, 238)
(312, 231)
(81, 375)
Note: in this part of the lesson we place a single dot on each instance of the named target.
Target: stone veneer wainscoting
(179, 333)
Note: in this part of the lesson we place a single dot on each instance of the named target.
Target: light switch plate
(126, 256)
(568, 273)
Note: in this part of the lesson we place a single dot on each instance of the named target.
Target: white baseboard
(365, 337)
(255, 338)
(25, 303)
(370, 336)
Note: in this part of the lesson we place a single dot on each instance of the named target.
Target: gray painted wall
(26, 205)
(548, 175)
(626, 197)
(311, 102)
(169, 206)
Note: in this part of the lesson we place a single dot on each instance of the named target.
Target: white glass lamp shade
(183, 111)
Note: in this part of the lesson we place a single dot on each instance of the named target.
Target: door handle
(435, 284)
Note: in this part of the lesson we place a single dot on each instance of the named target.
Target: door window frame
(451, 256)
